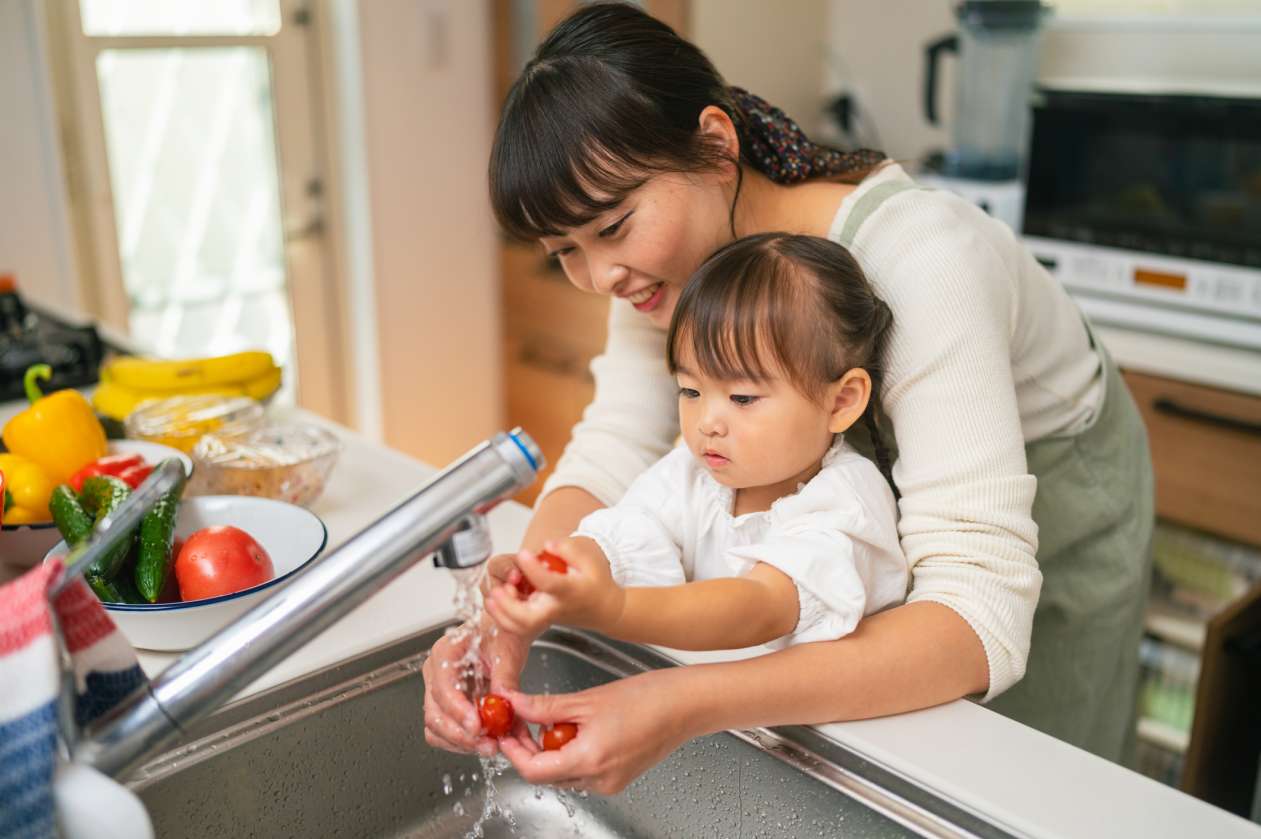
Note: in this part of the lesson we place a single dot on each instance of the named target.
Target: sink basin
(342, 753)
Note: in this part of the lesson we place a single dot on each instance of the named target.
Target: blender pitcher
(997, 46)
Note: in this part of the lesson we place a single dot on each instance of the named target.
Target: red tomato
(558, 735)
(220, 560)
(554, 564)
(496, 713)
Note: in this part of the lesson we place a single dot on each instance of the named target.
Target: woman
(1020, 458)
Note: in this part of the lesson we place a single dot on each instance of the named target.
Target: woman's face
(645, 249)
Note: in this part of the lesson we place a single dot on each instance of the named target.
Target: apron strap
(867, 204)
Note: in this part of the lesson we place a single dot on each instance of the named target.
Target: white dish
(22, 545)
(291, 535)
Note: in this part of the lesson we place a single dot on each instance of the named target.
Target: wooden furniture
(1221, 761)
(1206, 452)
(551, 329)
(1206, 449)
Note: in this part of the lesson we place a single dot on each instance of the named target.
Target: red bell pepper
(135, 475)
(111, 464)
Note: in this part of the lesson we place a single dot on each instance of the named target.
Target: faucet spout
(447, 512)
(468, 547)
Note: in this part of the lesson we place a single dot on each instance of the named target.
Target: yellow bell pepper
(59, 432)
(27, 490)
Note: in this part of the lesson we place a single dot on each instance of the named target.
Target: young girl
(782, 532)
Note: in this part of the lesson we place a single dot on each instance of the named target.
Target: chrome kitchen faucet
(446, 515)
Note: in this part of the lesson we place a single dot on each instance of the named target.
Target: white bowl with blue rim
(292, 536)
(22, 545)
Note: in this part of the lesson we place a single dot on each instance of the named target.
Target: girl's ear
(717, 127)
(847, 399)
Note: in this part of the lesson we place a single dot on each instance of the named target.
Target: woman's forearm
(558, 516)
(903, 659)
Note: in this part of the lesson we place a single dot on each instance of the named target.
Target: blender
(997, 49)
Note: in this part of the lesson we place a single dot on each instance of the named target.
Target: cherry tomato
(554, 564)
(496, 713)
(220, 560)
(558, 735)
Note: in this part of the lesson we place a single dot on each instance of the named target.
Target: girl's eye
(558, 253)
(688, 393)
(614, 227)
(744, 400)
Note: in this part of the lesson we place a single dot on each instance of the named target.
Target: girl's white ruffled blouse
(836, 537)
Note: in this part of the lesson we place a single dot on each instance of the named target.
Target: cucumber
(157, 533)
(119, 590)
(101, 495)
(71, 519)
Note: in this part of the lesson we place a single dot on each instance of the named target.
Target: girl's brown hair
(797, 304)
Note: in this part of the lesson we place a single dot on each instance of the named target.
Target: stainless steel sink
(342, 753)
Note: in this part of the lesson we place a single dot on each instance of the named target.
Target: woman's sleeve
(967, 496)
(633, 419)
(641, 536)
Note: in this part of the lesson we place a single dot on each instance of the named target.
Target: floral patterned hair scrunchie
(782, 151)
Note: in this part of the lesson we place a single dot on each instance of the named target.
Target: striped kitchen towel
(105, 670)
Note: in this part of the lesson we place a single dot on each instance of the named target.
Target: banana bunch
(127, 381)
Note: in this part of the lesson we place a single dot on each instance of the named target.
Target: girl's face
(752, 434)
(645, 249)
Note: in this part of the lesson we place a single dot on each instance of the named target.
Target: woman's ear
(715, 124)
(847, 397)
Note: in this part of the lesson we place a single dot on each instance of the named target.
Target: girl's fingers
(506, 611)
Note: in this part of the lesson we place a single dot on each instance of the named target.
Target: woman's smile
(647, 299)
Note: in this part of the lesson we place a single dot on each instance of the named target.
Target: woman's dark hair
(797, 304)
(612, 97)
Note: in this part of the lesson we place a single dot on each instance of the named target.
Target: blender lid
(1002, 14)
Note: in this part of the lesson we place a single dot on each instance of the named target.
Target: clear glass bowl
(181, 421)
(286, 462)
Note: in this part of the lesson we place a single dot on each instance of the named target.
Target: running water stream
(474, 680)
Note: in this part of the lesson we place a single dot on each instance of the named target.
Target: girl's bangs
(748, 314)
(730, 322)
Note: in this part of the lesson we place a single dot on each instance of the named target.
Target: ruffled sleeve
(642, 535)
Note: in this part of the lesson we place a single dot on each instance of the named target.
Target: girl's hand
(585, 595)
(451, 718)
(624, 728)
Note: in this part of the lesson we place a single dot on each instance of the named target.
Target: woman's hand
(624, 728)
(585, 595)
(451, 718)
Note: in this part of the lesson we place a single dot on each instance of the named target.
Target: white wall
(426, 104)
(776, 50)
(35, 238)
(1106, 44)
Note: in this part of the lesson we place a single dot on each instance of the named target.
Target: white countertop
(1029, 782)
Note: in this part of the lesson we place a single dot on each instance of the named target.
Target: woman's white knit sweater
(987, 353)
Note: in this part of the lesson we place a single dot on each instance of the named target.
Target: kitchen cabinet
(1206, 601)
(551, 329)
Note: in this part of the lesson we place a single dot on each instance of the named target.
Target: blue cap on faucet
(527, 446)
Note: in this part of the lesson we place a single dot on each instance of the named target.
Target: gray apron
(1094, 509)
